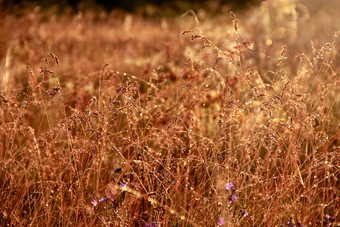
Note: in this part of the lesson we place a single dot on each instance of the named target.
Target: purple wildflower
(220, 221)
(123, 186)
(245, 214)
(233, 197)
(229, 186)
(289, 223)
(94, 202)
(300, 225)
(329, 218)
(103, 199)
(153, 224)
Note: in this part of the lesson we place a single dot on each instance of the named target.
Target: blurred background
(145, 7)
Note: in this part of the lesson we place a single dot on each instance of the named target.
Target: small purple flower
(233, 197)
(300, 225)
(329, 218)
(94, 202)
(289, 223)
(220, 221)
(229, 186)
(103, 199)
(245, 214)
(153, 224)
(123, 186)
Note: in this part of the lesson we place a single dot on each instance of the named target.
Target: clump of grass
(112, 119)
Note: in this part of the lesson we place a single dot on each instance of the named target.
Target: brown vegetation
(117, 120)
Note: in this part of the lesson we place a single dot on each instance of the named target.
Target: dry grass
(174, 109)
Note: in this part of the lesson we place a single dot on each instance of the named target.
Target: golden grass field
(198, 119)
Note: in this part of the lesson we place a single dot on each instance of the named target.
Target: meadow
(198, 119)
